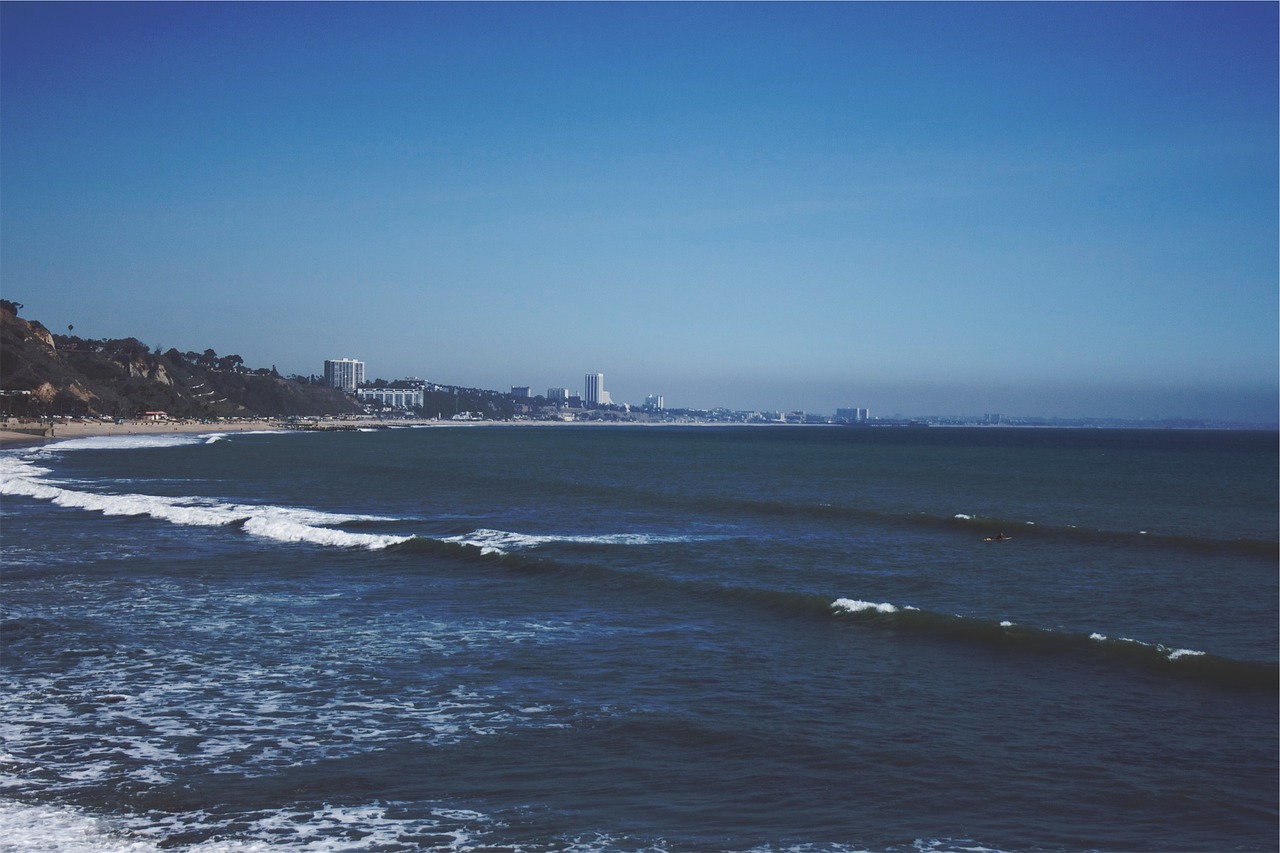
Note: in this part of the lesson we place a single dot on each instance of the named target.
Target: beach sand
(27, 433)
(14, 434)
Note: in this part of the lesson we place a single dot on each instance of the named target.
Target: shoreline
(21, 434)
(29, 434)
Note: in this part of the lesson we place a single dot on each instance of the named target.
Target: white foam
(330, 829)
(58, 830)
(961, 515)
(503, 541)
(12, 465)
(291, 531)
(126, 442)
(1171, 654)
(284, 524)
(854, 605)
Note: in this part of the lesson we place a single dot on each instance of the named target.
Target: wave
(1169, 660)
(331, 827)
(960, 522)
(990, 526)
(1192, 663)
(280, 523)
(284, 524)
(126, 442)
(505, 541)
(312, 829)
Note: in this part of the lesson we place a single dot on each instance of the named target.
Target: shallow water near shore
(641, 639)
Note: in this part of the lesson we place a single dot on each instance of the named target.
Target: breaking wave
(505, 541)
(987, 526)
(284, 524)
(128, 442)
(1196, 664)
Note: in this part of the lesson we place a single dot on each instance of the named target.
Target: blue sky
(1059, 209)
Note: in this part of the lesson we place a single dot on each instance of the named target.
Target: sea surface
(629, 638)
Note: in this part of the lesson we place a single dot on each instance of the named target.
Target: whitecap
(285, 524)
(290, 531)
(126, 442)
(491, 541)
(857, 606)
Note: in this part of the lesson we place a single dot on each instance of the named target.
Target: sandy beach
(16, 433)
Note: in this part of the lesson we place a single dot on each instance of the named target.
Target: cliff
(46, 374)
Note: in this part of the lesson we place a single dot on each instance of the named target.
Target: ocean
(641, 638)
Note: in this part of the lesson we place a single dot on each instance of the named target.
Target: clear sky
(1057, 209)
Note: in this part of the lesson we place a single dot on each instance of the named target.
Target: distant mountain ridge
(45, 374)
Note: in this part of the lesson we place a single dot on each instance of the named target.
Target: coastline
(17, 435)
(29, 434)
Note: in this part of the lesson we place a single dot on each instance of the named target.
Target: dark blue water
(600, 638)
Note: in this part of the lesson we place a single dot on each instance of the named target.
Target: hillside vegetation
(43, 374)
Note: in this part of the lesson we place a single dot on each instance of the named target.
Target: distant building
(344, 373)
(394, 398)
(654, 403)
(558, 395)
(857, 416)
(520, 391)
(595, 395)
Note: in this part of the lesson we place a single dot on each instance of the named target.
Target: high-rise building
(557, 395)
(520, 391)
(344, 373)
(654, 403)
(857, 416)
(594, 393)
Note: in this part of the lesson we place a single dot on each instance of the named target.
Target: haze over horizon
(1035, 209)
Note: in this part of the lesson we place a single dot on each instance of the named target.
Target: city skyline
(1057, 209)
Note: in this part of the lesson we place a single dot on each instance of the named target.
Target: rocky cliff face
(67, 375)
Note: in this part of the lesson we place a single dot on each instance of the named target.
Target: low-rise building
(394, 398)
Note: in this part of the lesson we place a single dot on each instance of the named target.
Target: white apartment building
(344, 373)
(394, 398)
